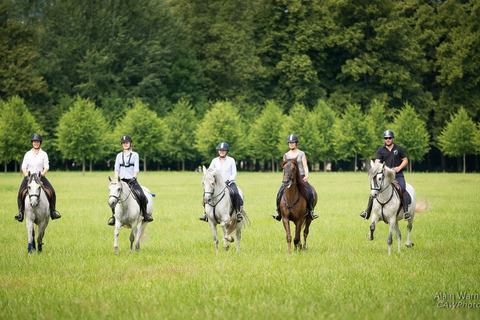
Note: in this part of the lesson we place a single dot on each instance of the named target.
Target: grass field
(178, 275)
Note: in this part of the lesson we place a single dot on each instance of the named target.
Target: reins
(119, 195)
(222, 193)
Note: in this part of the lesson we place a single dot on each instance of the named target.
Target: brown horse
(293, 205)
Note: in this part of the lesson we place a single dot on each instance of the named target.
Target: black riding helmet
(292, 138)
(388, 134)
(36, 137)
(223, 146)
(126, 139)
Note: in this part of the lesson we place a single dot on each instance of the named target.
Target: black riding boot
(406, 215)
(111, 221)
(19, 216)
(310, 209)
(278, 217)
(204, 218)
(54, 214)
(366, 214)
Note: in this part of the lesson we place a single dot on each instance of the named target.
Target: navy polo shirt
(392, 158)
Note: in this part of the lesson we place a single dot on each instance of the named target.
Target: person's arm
(402, 165)
(116, 166)
(233, 170)
(305, 167)
(136, 167)
(46, 165)
(24, 165)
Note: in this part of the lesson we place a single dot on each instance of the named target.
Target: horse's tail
(233, 226)
(143, 237)
(422, 206)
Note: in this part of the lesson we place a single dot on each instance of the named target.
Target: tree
(456, 138)
(180, 124)
(146, 129)
(323, 120)
(16, 127)
(221, 123)
(265, 133)
(354, 135)
(411, 133)
(82, 133)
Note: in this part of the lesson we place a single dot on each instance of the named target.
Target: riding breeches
(401, 182)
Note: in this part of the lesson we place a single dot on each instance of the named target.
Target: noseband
(118, 198)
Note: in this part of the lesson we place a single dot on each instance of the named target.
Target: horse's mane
(377, 167)
(301, 184)
(35, 177)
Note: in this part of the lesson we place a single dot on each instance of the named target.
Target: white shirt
(127, 165)
(35, 163)
(228, 168)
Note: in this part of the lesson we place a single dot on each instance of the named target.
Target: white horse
(387, 205)
(219, 209)
(37, 211)
(127, 212)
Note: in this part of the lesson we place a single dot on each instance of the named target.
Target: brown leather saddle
(47, 190)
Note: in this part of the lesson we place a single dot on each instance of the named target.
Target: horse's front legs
(41, 232)
(390, 236)
(305, 233)
(409, 230)
(140, 229)
(31, 235)
(399, 236)
(226, 237)
(372, 228)
(298, 232)
(286, 225)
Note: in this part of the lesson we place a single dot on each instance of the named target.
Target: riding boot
(278, 217)
(366, 214)
(311, 210)
(406, 215)
(147, 217)
(19, 216)
(54, 214)
(204, 218)
(111, 221)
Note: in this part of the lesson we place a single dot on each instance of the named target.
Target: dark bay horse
(293, 205)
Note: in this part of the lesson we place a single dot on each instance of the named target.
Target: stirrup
(278, 217)
(239, 217)
(111, 221)
(313, 216)
(148, 218)
(19, 216)
(406, 216)
(55, 215)
(364, 215)
(204, 218)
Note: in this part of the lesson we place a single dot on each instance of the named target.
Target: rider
(36, 160)
(303, 167)
(127, 167)
(394, 157)
(228, 169)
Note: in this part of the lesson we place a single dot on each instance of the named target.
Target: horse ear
(118, 178)
(109, 179)
(204, 169)
(372, 164)
(29, 174)
(383, 166)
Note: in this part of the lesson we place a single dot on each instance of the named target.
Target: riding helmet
(36, 137)
(292, 138)
(126, 139)
(223, 146)
(388, 134)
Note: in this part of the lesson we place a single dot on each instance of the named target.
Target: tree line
(130, 59)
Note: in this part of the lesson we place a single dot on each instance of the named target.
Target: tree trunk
(183, 165)
(5, 166)
(91, 165)
(15, 165)
(145, 162)
(83, 165)
(273, 164)
(355, 167)
(464, 163)
(325, 164)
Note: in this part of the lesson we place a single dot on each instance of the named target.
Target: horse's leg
(286, 225)
(409, 229)
(214, 232)
(132, 237)
(41, 233)
(305, 233)
(372, 227)
(140, 230)
(30, 234)
(116, 232)
(390, 234)
(223, 224)
(239, 234)
(399, 235)
(298, 233)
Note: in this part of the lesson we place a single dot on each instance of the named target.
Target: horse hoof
(230, 239)
(411, 244)
(369, 236)
(115, 250)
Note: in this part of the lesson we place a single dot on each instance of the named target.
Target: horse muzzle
(112, 201)
(287, 184)
(374, 193)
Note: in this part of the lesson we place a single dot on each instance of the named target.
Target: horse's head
(209, 180)
(115, 188)
(290, 172)
(380, 177)
(34, 187)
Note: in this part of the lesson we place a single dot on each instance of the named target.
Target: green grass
(178, 275)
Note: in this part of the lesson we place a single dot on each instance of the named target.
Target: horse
(127, 212)
(293, 205)
(219, 209)
(37, 211)
(387, 205)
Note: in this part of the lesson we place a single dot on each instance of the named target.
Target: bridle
(35, 178)
(290, 173)
(375, 186)
(118, 197)
(211, 201)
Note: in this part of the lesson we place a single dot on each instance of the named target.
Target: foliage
(82, 133)
(180, 124)
(458, 136)
(297, 123)
(323, 120)
(221, 123)
(411, 133)
(147, 130)
(16, 127)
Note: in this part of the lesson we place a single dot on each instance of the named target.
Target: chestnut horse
(293, 205)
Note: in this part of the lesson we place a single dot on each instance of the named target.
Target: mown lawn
(178, 275)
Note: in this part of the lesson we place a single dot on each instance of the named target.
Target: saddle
(400, 193)
(47, 190)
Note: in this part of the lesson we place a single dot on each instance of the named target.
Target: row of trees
(83, 134)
